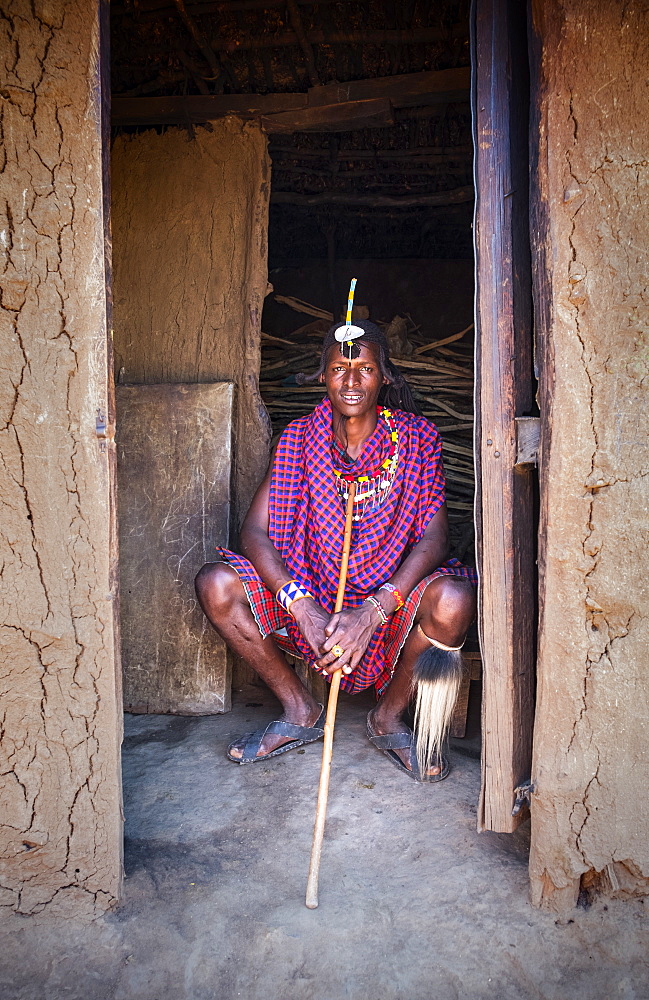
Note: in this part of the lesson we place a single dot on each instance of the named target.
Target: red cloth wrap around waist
(306, 526)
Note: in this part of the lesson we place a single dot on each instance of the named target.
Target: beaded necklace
(373, 489)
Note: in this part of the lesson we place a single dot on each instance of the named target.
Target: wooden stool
(314, 682)
(472, 672)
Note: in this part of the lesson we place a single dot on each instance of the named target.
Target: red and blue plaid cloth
(307, 521)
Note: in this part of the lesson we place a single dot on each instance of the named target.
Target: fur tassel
(437, 675)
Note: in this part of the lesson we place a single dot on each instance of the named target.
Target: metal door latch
(102, 430)
(522, 796)
(528, 439)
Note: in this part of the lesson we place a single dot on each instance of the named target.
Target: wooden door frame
(504, 393)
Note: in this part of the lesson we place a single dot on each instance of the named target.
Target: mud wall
(190, 218)
(589, 812)
(60, 729)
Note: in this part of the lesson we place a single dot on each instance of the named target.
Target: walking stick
(325, 767)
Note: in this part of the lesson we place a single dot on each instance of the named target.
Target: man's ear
(321, 379)
(386, 381)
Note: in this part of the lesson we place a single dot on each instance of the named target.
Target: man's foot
(397, 741)
(284, 734)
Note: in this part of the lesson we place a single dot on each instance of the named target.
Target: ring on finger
(338, 651)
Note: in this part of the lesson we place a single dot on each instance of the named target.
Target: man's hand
(351, 629)
(312, 620)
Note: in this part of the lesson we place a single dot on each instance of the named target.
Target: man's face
(353, 386)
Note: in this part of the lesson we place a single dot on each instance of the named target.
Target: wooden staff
(327, 750)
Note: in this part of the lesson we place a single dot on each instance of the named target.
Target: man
(404, 600)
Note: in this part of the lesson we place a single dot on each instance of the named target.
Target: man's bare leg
(224, 602)
(445, 612)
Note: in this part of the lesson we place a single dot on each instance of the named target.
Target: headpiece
(396, 393)
(347, 334)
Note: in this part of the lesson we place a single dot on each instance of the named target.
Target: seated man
(405, 601)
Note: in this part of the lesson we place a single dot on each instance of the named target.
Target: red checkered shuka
(307, 523)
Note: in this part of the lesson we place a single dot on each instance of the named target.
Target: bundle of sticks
(440, 373)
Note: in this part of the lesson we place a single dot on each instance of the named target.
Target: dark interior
(391, 204)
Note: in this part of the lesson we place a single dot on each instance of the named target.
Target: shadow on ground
(413, 902)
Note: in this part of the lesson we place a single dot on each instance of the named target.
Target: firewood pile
(440, 373)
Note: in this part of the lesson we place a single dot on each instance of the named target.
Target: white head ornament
(348, 333)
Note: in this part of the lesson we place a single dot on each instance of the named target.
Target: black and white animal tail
(437, 675)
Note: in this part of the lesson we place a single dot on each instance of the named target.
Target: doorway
(357, 204)
(390, 204)
(414, 267)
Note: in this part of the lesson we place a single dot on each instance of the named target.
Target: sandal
(300, 735)
(389, 742)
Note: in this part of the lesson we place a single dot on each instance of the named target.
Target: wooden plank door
(174, 448)
(504, 392)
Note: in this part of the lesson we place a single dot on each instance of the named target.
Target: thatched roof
(366, 102)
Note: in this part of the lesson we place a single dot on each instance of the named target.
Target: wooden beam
(158, 83)
(419, 153)
(298, 27)
(400, 91)
(285, 39)
(403, 90)
(332, 117)
(197, 77)
(178, 110)
(408, 114)
(199, 40)
(149, 9)
(405, 168)
(454, 197)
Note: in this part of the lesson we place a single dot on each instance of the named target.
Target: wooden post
(504, 391)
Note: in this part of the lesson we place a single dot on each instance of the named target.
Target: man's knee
(217, 585)
(452, 600)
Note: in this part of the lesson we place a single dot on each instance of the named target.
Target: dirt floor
(413, 902)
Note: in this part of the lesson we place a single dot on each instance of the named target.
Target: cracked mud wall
(589, 812)
(190, 220)
(60, 730)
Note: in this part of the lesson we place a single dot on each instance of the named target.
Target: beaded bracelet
(379, 608)
(290, 593)
(395, 593)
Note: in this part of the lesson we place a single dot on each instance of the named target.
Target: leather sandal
(389, 742)
(299, 736)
